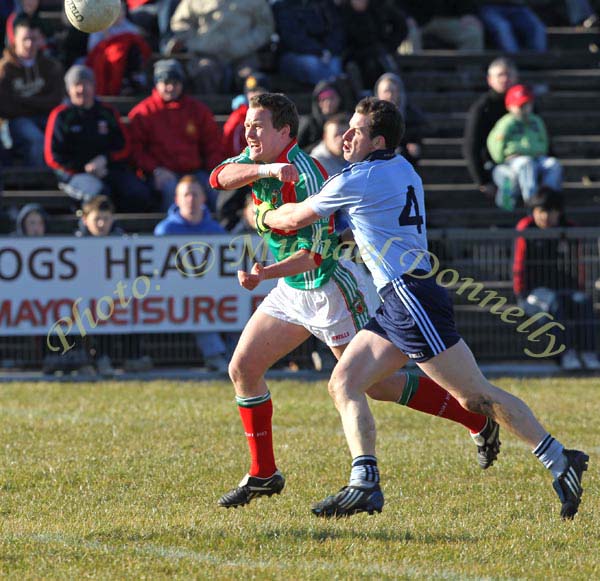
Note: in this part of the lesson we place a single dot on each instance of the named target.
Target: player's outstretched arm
(301, 261)
(291, 216)
(231, 176)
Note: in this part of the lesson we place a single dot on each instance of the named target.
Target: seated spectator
(118, 57)
(97, 219)
(518, 143)
(234, 138)
(483, 115)
(390, 87)
(154, 18)
(174, 134)
(30, 87)
(32, 220)
(327, 99)
(311, 39)
(374, 31)
(513, 26)
(447, 24)
(224, 38)
(190, 216)
(87, 147)
(329, 152)
(548, 276)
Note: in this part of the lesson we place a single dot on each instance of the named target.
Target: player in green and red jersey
(315, 295)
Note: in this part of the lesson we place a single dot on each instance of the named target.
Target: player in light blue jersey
(384, 199)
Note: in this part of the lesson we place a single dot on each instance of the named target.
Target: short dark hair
(26, 21)
(384, 119)
(99, 203)
(547, 199)
(337, 119)
(283, 110)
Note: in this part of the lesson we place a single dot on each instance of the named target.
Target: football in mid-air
(92, 15)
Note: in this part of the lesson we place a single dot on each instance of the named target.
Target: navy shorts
(417, 316)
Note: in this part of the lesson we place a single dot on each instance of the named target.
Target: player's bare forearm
(291, 216)
(236, 175)
(301, 261)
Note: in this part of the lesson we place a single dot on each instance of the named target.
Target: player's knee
(240, 370)
(478, 404)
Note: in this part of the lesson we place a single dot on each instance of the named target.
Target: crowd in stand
(53, 80)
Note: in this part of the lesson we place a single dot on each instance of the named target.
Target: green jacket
(511, 136)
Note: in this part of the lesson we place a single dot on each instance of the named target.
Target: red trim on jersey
(214, 178)
(283, 156)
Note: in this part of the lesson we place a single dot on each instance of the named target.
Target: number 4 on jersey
(405, 219)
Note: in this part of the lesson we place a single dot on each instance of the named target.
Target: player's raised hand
(250, 280)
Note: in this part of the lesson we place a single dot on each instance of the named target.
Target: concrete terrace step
(455, 170)
(452, 59)
(461, 101)
(572, 37)
(557, 123)
(563, 146)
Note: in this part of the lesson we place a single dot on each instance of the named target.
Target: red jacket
(181, 135)
(234, 134)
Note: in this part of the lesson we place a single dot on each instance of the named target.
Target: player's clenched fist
(250, 280)
(284, 172)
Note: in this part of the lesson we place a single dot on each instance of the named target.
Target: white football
(92, 15)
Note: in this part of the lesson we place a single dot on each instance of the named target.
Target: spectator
(31, 9)
(390, 87)
(224, 37)
(154, 18)
(234, 138)
(174, 134)
(98, 219)
(311, 37)
(190, 216)
(86, 146)
(518, 143)
(327, 99)
(118, 56)
(567, 13)
(548, 275)
(32, 220)
(483, 115)
(513, 26)
(374, 31)
(329, 151)
(30, 88)
(449, 24)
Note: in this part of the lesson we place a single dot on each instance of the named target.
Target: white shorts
(334, 312)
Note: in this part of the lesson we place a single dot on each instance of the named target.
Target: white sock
(365, 473)
(550, 453)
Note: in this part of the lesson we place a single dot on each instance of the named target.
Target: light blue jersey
(383, 197)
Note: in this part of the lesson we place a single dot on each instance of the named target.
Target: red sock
(257, 425)
(433, 399)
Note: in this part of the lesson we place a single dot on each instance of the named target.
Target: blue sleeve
(340, 191)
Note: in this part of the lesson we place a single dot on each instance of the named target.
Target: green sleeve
(544, 144)
(496, 140)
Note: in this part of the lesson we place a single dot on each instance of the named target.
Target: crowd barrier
(145, 295)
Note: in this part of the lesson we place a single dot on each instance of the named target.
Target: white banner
(72, 286)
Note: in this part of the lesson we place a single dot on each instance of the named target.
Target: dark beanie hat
(168, 69)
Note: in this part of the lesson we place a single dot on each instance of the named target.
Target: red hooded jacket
(181, 136)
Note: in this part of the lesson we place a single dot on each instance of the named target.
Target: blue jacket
(175, 224)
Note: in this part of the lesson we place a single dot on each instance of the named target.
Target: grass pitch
(120, 480)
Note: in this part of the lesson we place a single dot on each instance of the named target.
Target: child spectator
(548, 275)
(32, 220)
(118, 56)
(87, 147)
(189, 216)
(518, 143)
(329, 152)
(174, 134)
(97, 218)
(30, 87)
